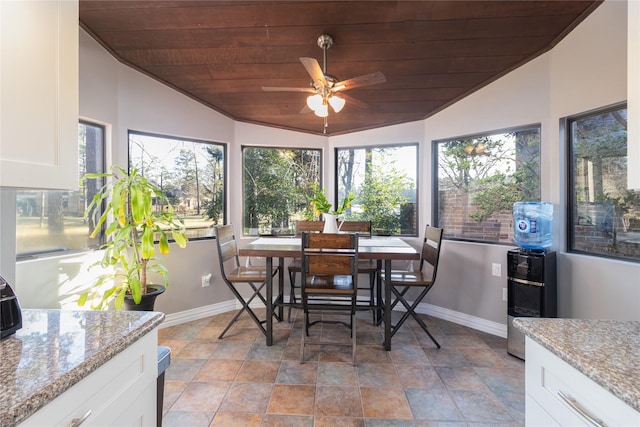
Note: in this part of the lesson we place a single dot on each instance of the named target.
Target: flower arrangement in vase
(322, 206)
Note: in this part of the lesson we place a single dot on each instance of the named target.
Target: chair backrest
(431, 250)
(302, 226)
(227, 245)
(329, 254)
(363, 228)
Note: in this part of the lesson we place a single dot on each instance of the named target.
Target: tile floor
(239, 381)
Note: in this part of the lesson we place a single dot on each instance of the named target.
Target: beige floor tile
(201, 397)
(333, 401)
(385, 403)
(219, 370)
(292, 399)
(239, 381)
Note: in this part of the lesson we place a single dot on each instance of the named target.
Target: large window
(604, 214)
(477, 179)
(276, 185)
(51, 222)
(383, 180)
(190, 172)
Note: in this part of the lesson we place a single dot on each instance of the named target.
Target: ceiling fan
(325, 87)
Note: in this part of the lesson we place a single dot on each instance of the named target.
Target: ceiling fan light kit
(337, 103)
(324, 86)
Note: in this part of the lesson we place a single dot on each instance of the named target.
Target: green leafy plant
(320, 203)
(141, 214)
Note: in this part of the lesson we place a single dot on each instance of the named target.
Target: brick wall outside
(455, 208)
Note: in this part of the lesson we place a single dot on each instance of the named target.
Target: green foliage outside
(283, 185)
(496, 170)
(382, 195)
(277, 184)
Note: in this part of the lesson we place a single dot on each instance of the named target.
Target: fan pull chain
(326, 124)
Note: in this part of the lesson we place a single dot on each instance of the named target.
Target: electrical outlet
(504, 294)
(206, 280)
(496, 269)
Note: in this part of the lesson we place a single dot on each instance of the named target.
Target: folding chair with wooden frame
(329, 283)
(403, 281)
(363, 228)
(255, 277)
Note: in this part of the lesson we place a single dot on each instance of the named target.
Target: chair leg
(372, 300)
(246, 307)
(231, 323)
(353, 338)
(410, 311)
(292, 293)
(303, 340)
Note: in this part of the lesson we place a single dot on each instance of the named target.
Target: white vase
(331, 223)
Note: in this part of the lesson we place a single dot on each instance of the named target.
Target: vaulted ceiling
(432, 53)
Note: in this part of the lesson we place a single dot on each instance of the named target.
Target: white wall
(585, 71)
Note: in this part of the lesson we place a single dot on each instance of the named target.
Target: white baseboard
(459, 318)
(199, 313)
(478, 323)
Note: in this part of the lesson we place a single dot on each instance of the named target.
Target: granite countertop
(55, 349)
(606, 351)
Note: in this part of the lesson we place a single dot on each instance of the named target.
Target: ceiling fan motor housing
(325, 41)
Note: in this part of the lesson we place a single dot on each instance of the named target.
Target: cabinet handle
(580, 410)
(77, 422)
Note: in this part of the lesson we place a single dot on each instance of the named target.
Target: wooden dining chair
(404, 280)
(234, 274)
(296, 265)
(329, 284)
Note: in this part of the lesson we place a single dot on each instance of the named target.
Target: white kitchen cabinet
(585, 403)
(122, 392)
(39, 94)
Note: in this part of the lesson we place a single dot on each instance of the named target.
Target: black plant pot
(148, 299)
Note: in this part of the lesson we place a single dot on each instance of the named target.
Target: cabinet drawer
(536, 416)
(108, 392)
(548, 379)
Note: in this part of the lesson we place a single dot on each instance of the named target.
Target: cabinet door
(39, 94)
(569, 396)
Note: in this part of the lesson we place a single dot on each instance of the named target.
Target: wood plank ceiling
(433, 53)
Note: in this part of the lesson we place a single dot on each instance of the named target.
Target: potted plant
(319, 202)
(141, 214)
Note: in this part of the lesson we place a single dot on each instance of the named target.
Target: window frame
(225, 173)
(570, 180)
(435, 199)
(383, 146)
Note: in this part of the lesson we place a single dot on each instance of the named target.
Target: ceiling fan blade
(314, 70)
(353, 102)
(365, 80)
(306, 109)
(287, 89)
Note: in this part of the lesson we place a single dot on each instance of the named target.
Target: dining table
(382, 249)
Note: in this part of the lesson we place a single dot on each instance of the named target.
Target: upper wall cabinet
(39, 94)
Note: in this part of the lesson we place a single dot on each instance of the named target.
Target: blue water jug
(532, 225)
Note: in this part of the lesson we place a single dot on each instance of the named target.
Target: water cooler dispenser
(531, 291)
(531, 270)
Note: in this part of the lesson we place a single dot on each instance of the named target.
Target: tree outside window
(190, 172)
(383, 180)
(277, 184)
(479, 178)
(604, 214)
